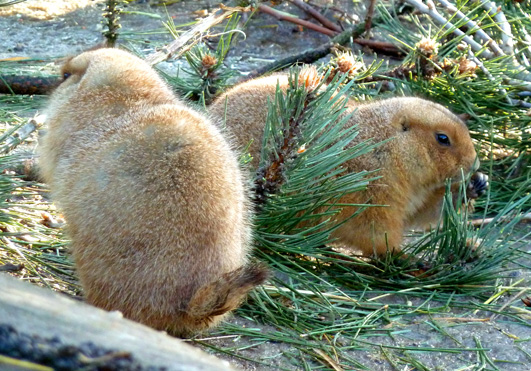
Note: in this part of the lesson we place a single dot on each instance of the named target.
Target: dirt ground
(56, 28)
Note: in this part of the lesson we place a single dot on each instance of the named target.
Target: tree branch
(316, 15)
(27, 85)
(368, 17)
(283, 17)
(505, 27)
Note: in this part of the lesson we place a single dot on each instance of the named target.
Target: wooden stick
(189, 38)
(316, 15)
(21, 134)
(480, 222)
(368, 17)
(281, 16)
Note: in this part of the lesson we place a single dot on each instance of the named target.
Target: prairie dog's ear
(78, 65)
(464, 117)
(74, 67)
(403, 124)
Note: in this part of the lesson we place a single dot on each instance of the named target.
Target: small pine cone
(309, 77)
(467, 67)
(346, 63)
(208, 61)
(462, 46)
(427, 47)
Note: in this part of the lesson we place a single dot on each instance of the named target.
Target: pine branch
(473, 27)
(489, 76)
(506, 36)
(112, 15)
(206, 73)
(439, 18)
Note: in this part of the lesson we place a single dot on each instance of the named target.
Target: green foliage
(301, 175)
(322, 300)
(492, 91)
(206, 73)
(112, 21)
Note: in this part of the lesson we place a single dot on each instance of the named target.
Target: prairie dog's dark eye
(66, 75)
(443, 139)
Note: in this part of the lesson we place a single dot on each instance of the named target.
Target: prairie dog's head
(437, 139)
(111, 70)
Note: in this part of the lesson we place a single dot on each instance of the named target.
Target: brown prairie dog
(152, 193)
(429, 144)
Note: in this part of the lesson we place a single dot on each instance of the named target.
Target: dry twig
(308, 56)
(368, 17)
(316, 15)
(191, 37)
(283, 17)
(480, 222)
(21, 134)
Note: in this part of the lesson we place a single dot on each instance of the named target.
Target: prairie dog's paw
(479, 183)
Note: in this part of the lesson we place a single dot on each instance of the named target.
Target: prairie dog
(427, 145)
(152, 193)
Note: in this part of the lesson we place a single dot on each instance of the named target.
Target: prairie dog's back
(152, 193)
(161, 171)
(102, 89)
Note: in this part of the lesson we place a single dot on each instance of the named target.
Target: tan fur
(152, 194)
(413, 165)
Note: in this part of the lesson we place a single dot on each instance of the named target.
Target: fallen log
(38, 313)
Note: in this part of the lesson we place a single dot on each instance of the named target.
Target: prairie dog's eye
(66, 75)
(443, 139)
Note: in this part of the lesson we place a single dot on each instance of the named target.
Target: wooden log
(34, 310)
(27, 85)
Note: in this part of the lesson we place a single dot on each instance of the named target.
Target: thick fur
(152, 193)
(413, 165)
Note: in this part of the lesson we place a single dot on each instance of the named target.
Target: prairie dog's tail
(210, 302)
(226, 294)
